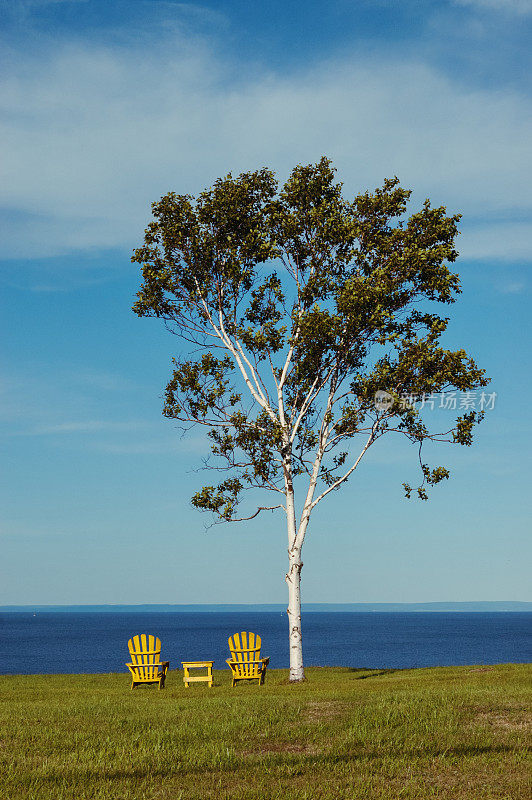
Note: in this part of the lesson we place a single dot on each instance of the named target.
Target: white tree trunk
(293, 579)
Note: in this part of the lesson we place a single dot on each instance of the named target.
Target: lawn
(454, 732)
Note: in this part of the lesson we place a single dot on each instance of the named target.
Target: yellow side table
(206, 678)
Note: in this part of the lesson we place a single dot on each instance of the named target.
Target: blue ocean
(84, 642)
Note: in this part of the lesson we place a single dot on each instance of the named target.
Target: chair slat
(150, 656)
(245, 654)
(137, 648)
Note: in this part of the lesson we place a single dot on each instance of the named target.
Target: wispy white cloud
(88, 426)
(175, 445)
(12, 5)
(96, 132)
(497, 241)
(47, 400)
(101, 380)
(507, 6)
(36, 3)
(23, 10)
(513, 287)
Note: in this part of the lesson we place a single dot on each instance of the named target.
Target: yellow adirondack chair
(146, 665)
(245, 662)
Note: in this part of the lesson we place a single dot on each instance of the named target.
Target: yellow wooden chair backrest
(145, 652)
(245, 649)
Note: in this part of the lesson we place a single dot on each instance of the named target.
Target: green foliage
(303, 305)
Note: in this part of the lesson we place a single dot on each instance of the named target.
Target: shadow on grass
(374, 673)
(245, 764)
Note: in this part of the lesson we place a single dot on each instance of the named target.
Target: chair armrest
(164, 664)
(265, 661)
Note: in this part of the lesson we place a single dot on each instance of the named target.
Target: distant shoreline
(470, 607)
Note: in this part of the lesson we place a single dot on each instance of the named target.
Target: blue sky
(106, 107)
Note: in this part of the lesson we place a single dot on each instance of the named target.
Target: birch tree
(295, 309)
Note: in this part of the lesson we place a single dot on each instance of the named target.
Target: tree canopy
(316, 304)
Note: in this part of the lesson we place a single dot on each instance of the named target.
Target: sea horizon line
(431, 606)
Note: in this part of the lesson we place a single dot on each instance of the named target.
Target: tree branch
(347, 474)
(257, 512)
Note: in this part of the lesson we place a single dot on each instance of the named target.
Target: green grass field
(457, 732)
